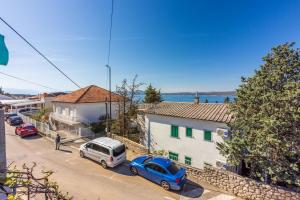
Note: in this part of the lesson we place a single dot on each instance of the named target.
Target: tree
(1, 90)
(227, 100)
(127, 108)
(206, 100)
(152, 95)
(266, 129)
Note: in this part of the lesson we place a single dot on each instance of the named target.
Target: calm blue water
(190, 98)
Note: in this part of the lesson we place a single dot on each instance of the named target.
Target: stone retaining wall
(235, 184)
(241, 186)
(133, 146)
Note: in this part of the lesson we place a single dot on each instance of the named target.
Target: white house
(188, 132)
(82, 107)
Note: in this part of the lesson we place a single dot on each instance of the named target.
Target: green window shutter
(173, 156)
(189, 132)
(174, 131)
(188, 160)
(207, 135)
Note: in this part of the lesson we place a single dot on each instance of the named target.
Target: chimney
(196, 99)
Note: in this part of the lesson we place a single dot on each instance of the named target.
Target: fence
(42, 127)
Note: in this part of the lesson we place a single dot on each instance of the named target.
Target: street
(85, 179)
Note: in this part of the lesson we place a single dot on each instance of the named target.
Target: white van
(107, 151)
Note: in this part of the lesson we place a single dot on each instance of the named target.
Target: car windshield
(147, 160)
(29, 127)
(119, 150)
(173, 168)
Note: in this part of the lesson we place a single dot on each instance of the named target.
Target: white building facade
(192, 141)
(74, 112)
(81, 112)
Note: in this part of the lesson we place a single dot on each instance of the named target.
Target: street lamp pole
(109, 77)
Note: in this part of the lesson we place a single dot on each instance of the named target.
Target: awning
(28, 103)
(20, 102)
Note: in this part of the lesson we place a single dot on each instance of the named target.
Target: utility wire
(34, 83)
(41, 54)
(110, 31)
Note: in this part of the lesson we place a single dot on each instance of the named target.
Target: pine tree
(227, 100)
(266, 131)
(206, 100)
(152, 95)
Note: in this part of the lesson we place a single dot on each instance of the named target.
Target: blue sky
(193, 45)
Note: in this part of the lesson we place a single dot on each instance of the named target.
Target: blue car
(159, 170)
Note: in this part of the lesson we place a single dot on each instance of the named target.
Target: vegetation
(206, 100)
(41, 115)
(125, 124)
(227, 100)
(152, 95)
(25, 183)
(266, 129)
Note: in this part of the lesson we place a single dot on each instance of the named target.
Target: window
(89, 145)
(173, 168)
(188, 160)
(173, 156)
(104, 150)
(150, 166)
(159, 169)
(207, 135)
(188, 132)
(119, 150)
(174, 131)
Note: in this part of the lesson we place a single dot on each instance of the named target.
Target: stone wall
(133, 146)
(240, 186)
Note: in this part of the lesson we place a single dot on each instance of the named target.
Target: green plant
(25, 183)
(266, 129)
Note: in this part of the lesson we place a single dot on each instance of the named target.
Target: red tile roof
(218, 112)
(89, 94)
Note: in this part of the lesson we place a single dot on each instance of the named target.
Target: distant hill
(221, 93)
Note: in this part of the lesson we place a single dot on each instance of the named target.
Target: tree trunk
(2, 145)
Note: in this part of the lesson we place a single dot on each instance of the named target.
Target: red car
(26, 130)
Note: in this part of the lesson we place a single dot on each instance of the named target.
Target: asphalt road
(85, 179)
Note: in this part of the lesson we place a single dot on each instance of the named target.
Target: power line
(34, 83)
(41, 54)
(110, 31)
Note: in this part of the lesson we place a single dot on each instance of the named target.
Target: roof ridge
(88, 88)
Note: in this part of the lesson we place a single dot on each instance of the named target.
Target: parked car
(26, 130)
(159, 170)
(15, 121)
(23, 110)
(107, 151)
(9, 114)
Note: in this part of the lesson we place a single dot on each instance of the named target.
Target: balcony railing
(65, 117)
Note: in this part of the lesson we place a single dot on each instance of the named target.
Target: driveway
(85, 179)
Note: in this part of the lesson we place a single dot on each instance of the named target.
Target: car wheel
(134, 171)
(103, 164)
(165, 185)
(16, 132)
(81, 154)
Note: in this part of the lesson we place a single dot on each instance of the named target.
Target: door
(154, 172)
(88, 150)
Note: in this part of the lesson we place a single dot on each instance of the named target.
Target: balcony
(70, 120)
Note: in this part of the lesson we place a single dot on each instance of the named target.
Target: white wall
(196, 147)
(83, 112)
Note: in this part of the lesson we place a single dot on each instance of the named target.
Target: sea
(190, 98)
